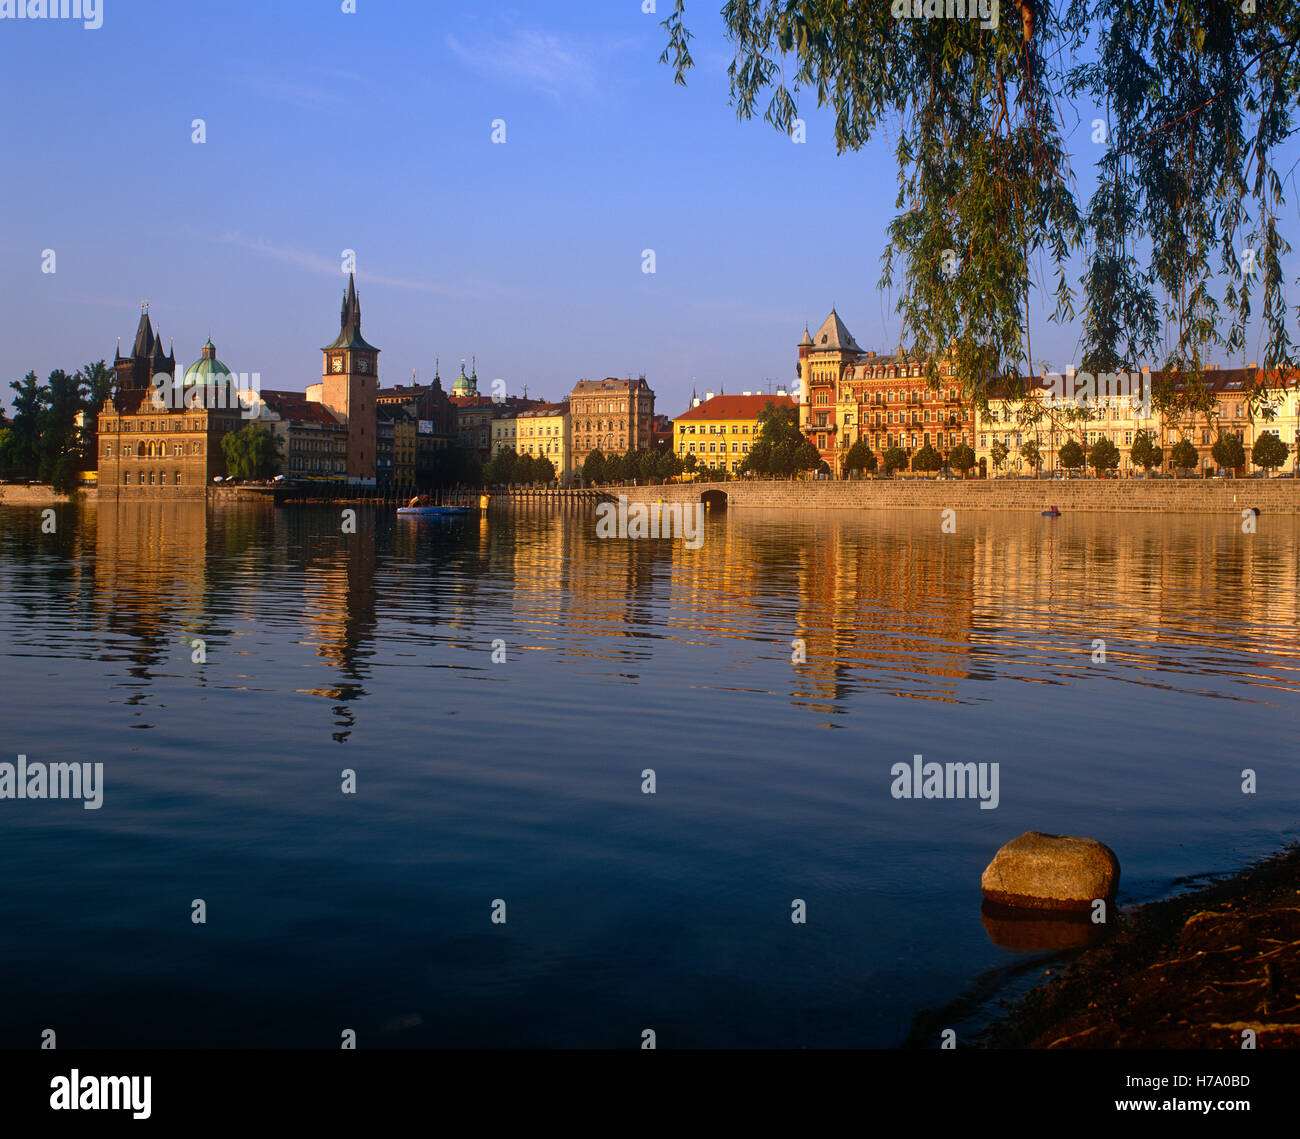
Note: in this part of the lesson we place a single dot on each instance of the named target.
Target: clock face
(363, 365)
(337, 363)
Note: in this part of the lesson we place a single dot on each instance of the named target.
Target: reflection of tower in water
(338, 605)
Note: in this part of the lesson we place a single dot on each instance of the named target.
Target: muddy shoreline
(1202, 970)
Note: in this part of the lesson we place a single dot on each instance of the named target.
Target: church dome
(463, 385)
(207, 369)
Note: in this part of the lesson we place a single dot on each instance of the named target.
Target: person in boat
(421, 500)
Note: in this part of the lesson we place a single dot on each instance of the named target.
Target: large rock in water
(1051, 872)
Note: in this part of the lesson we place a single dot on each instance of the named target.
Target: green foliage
(1145, 452)
(252, 452)
(1228, 452)
(962, 458)
(1269, 451)
(96, 381)
(860, 457)
(1071, 455)
(21, 455)
(894, 459)
(1103, 455)
(1197, 100)
(593, 468)
(927, 459)
(1029, 451)
(499, 470)
(781, 449)
(1184, 455)
(998, 453)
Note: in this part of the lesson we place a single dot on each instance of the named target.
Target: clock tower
(350, 384)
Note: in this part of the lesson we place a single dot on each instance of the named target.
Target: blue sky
(372, 131)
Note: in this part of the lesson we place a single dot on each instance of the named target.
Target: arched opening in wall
(714, 500)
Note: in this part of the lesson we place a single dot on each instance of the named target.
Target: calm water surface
(522, 780)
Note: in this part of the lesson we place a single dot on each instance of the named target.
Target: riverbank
(1159, 496)
(1195, 971)
(12, 494)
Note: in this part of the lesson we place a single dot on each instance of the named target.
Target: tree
(668, 465)
(1184, 455)
(860, 457)
(1071, 455)
(807, 457)
(1031, 454)
(502, 469)
(252, 452)
(1228, 452)
(62, 401)
(525, 472)
(998, 453)
(543, 469)
(1199, 102)
(1103, 455)
(21, 453)
(593, 468)
(962, 458)
(894, 459)
(96, 382)
(1269, 451)
(781, 448)
(1145, 452)
(927, 459)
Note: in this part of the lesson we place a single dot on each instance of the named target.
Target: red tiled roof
(734, 407)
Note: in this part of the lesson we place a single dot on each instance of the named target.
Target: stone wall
(1192, 496)
(39, 495)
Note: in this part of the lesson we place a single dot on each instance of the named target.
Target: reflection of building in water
(877, 599)
(338, 596)
(1177, 571)
(151, 574)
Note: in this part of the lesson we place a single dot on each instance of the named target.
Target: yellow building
(544, 430)
(504, 435)
(719, 430)
(1115, 414)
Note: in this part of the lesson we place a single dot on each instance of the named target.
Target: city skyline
(373, 132)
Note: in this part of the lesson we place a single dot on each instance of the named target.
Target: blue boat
(433, 511)
(425, 507)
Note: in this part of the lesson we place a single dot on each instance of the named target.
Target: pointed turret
(350, 321)
(143, 347)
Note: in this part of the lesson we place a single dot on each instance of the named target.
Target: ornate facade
(849, 393)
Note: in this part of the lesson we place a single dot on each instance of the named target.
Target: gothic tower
(350, 385)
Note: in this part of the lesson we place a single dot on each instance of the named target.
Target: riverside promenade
(1171, 496)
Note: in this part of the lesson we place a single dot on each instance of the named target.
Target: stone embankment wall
(1271, 496)
(39, 495)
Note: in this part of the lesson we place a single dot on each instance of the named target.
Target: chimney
(696, 402)
(708, 395)
(1252, 366)
(746, 393)
(780, 391)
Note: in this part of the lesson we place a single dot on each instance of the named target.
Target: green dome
(462, 386)
(207, 369)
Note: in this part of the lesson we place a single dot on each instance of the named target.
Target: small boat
(425, 507)
(433, 511)
(1051, 512)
